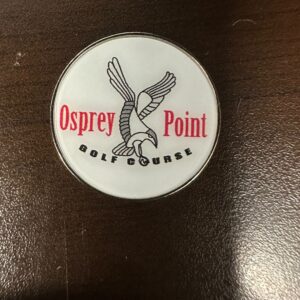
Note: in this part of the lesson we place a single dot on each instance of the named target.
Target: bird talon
(144, 161)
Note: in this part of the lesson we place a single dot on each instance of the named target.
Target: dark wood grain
(232, 234)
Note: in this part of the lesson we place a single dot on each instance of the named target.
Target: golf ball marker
(135, 116)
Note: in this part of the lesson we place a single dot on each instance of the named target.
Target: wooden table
(232, 234)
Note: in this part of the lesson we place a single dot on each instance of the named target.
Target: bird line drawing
(132, 127)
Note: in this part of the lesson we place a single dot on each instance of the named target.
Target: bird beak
(154, 142)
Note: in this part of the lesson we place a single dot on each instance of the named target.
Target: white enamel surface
(144, 59)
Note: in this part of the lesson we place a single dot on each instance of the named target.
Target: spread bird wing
(157, 93)
(118, 81)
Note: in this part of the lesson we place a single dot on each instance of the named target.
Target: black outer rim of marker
(141, 34)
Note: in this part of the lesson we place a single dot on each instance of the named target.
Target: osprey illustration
(135, 109)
